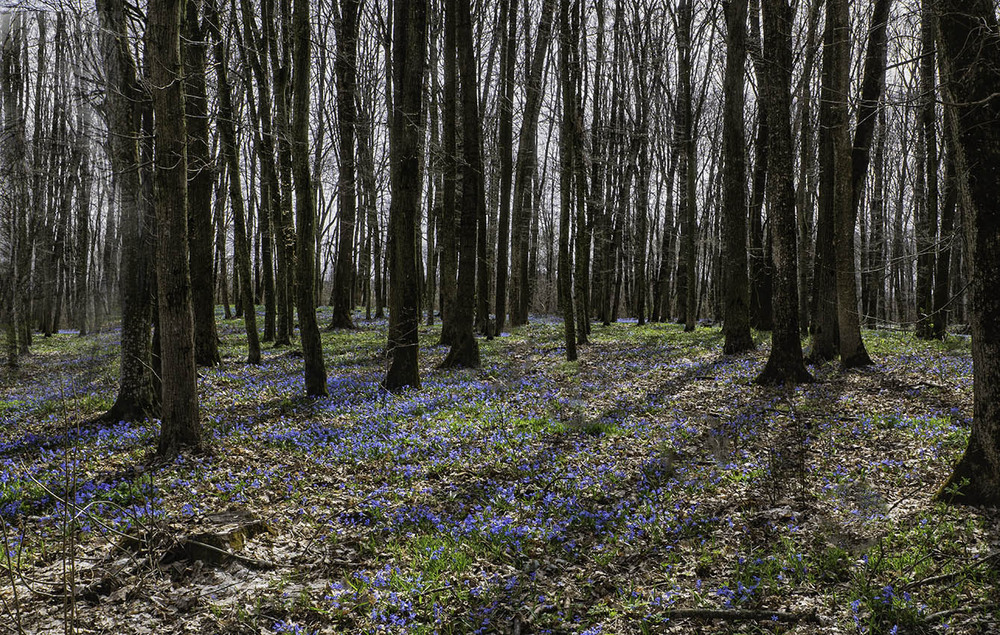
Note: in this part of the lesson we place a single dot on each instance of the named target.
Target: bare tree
(345, 68)
(969, 40)
(734, 221)
(305, 206)
(180, 424)
(785, 364)
(409, 46)
(126, 101)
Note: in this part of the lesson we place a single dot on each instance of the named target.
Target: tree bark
(180, 425)
(926, 225)
(825, 333)
(969, 39)
(345, 68)
(687, 280)
(852, 348)
(520, 292)
(785, 364)
(508, 54)
(736, 325)
(126, 100)
(230, 156)
(305, 206)
(449, 160)
(566, 134)
(200, 178)
(409, 45)
(464, 350)
(761, 264)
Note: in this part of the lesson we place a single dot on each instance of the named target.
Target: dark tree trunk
(872, 87)
(508, 54)
(409, 45)
(785, 364)
(230, 155)
(255, 53)
(520, 291)
(345, 68)
(852, 348)
(760, 261)
(926, 226)
(83, 236)
(942, 274)
(136, 398)
(305, 207)
(449, 159)
(464, 350)
(736, 325)
(566, 142)
(200, 177)
(686, 279)
(180, 425)
(825, 333)
(969, 38)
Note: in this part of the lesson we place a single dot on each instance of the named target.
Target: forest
(499, 316)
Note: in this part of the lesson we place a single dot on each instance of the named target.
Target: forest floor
(649, 487)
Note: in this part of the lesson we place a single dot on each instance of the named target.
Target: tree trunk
(785, 364)
(449, 159)
(942, 274)
(200, 177)
(180, 425)
(926, 225)
(520, 292)
(409, 44)
(760, 258)
(825, 333)
(345, 68)
(230, 155)
(687, 285)
(566, 134)
(464, 350)
(736, 325)
(852, 348)
(126, 101)
(969, 38)
(505, 143)
(305, 207)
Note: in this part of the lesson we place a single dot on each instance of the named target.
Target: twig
(948, 577)
(261, 564)
(940, 615)
(744, 615)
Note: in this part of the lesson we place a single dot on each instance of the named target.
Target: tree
(927, 190)
(305, 207)
(852, 347)
(464, 347)
(180, 425)
(126, 101)
(825, 332)
(409, 46)
(230, 157)
(520, 269)
(345, 68)
(449, 191)
(200, 179)
(505, 141)
(12, 176)
(872, 87)
(566, 143)
(785, 364)
(969, 60)
(686, 281)
(736, 325)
